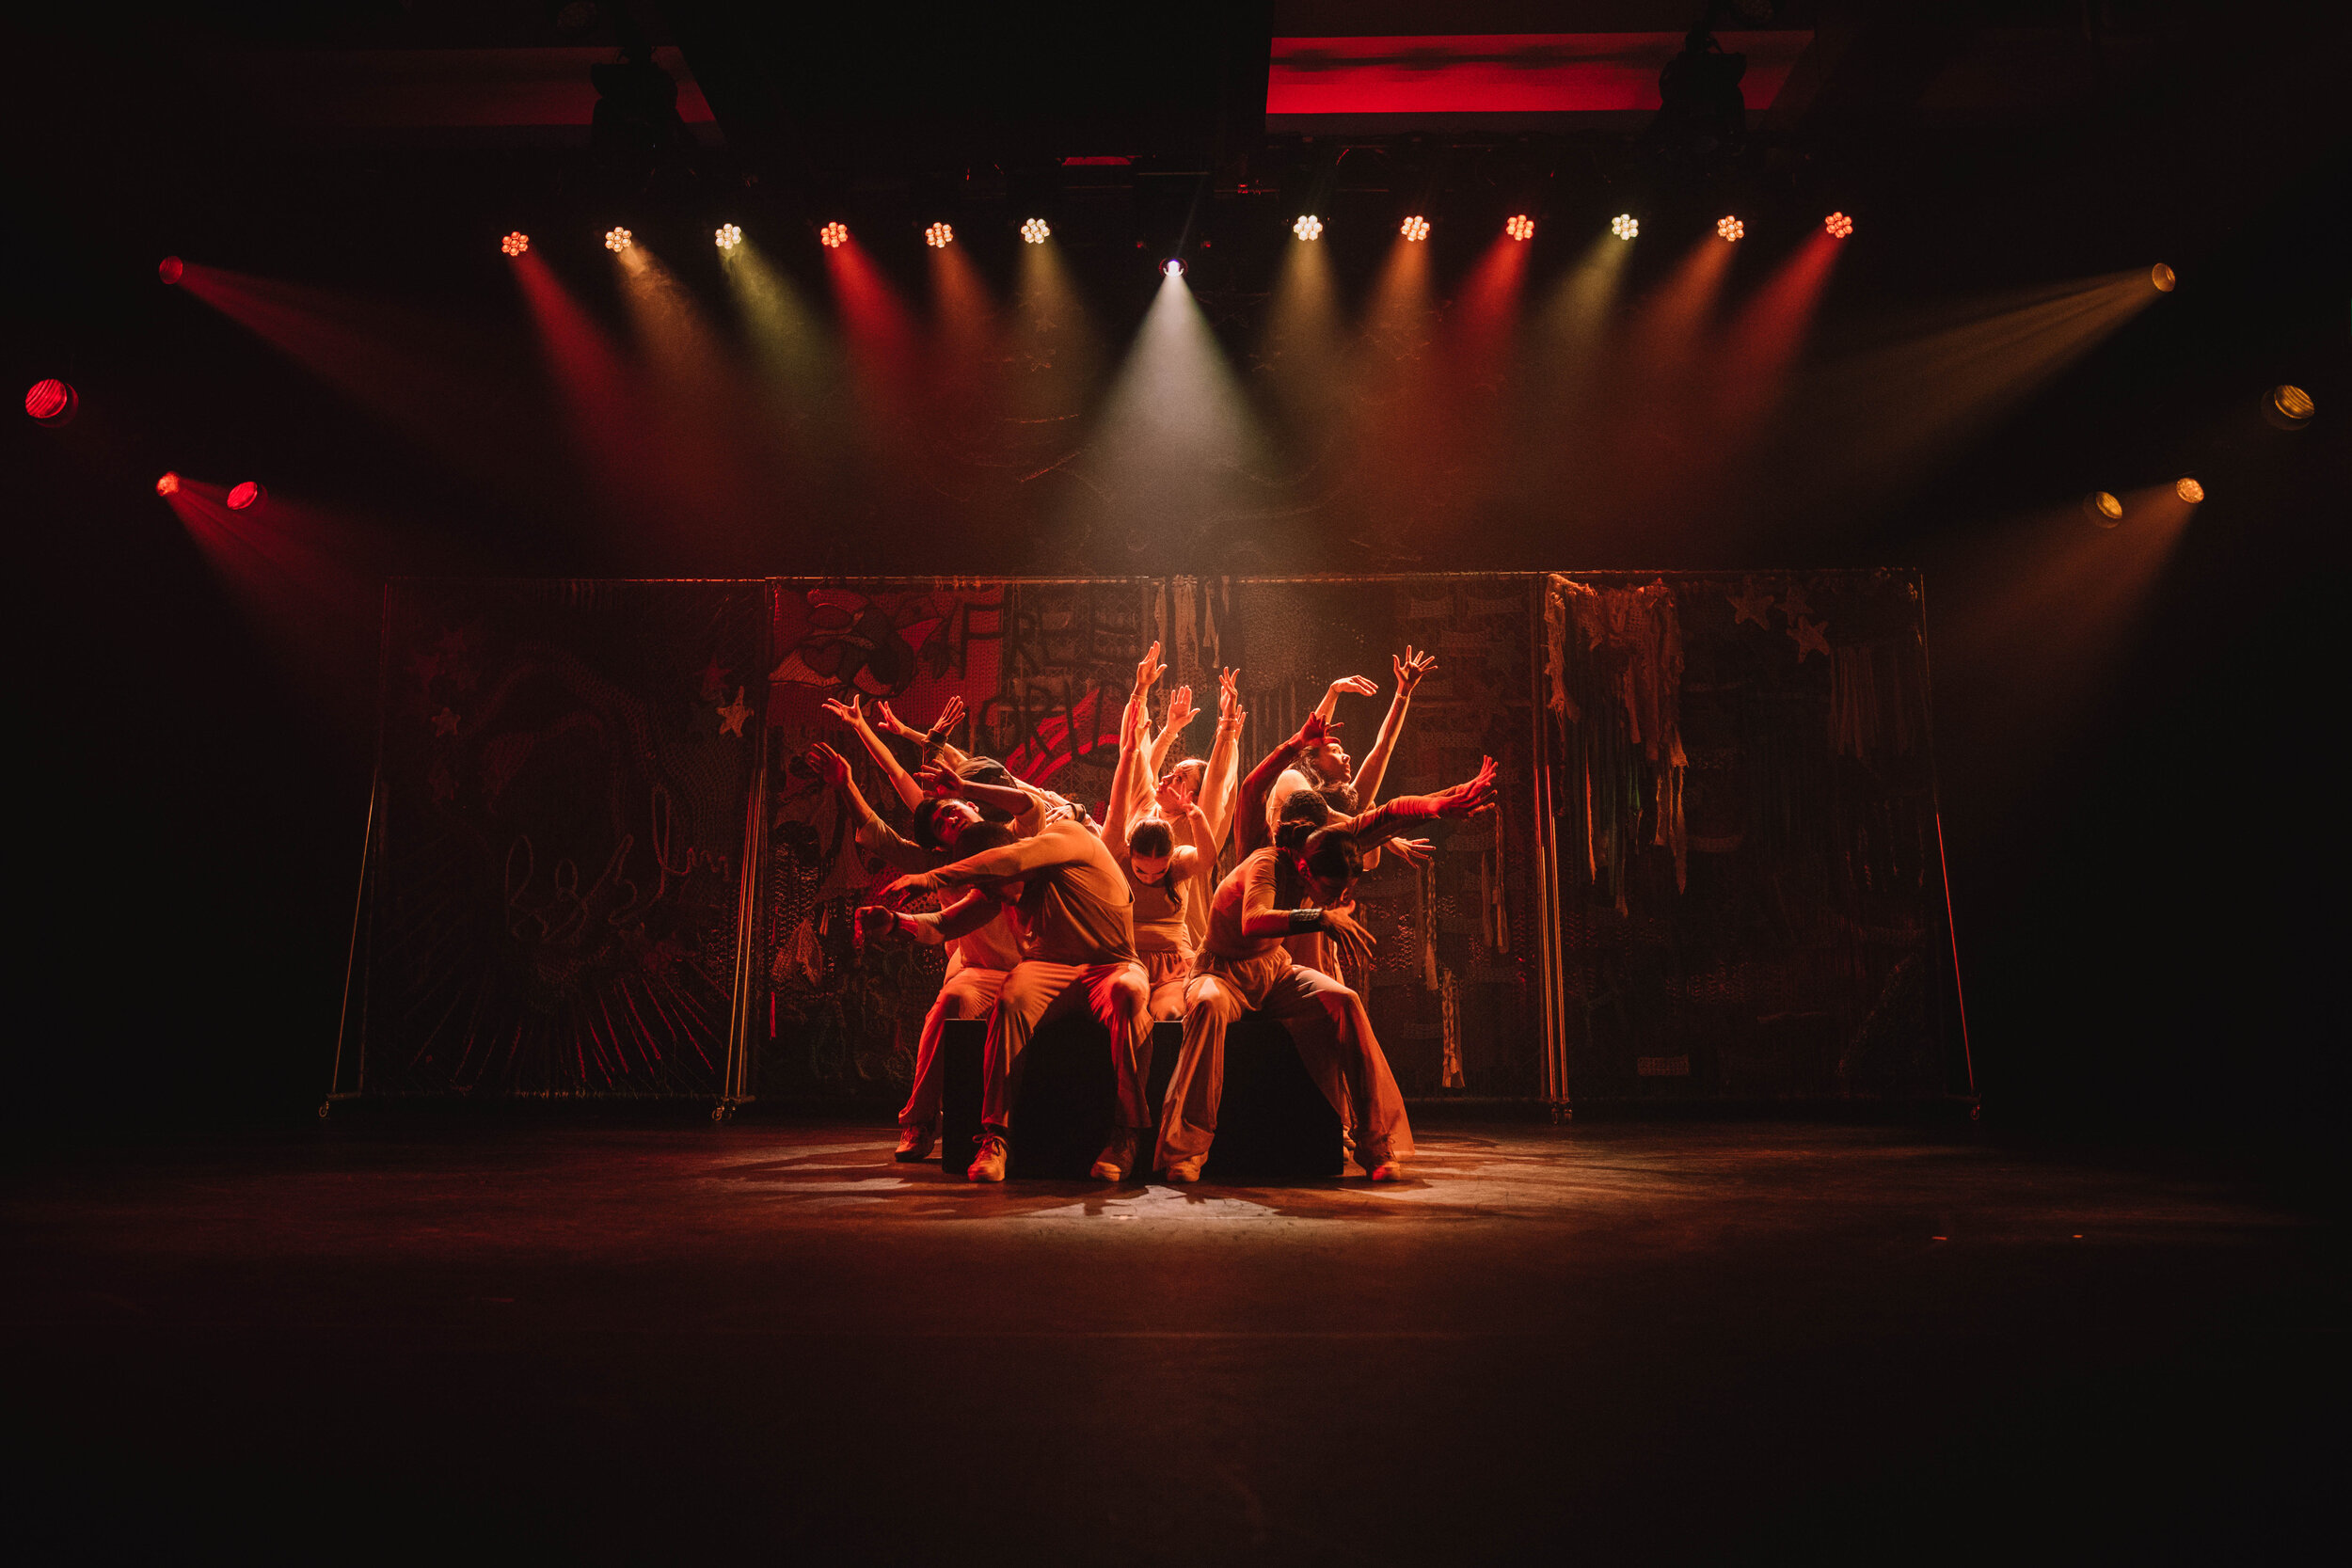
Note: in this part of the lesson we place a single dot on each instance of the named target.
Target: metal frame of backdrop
(596, 863)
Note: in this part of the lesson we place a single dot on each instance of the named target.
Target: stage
(590, 1338)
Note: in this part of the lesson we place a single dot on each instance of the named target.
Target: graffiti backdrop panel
(556, 865)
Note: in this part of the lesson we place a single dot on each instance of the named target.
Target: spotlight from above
(52, 403)
(1519, 226)
(1308, 226)
(2189, 490)
(1730, 228)
(834, 235)
(245, 497)
(2288, 407)
(1624, 225)
(167, 485)
(1840, 226)
(2102, 508)
(1172, 267)
(2163, 278)
(514, 244)
(618, 239)
(1414, 229)
(939, 236)
(1035, 231)
(170, 269)
(728, 236)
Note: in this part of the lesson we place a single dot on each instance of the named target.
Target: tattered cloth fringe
(1643, 629)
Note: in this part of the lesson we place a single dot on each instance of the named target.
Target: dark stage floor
(688, 1343)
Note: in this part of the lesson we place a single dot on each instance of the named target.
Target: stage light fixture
(2288, 407)
(2102, 508)
(728, 236)
(1308, 226)
(618, 239)
(2163, 278)
(1840, 226)
(1730, 228)
(167, 485)
(1035, 231)
(939, 236)
(1414, 229)
(245, 497)
(1519, 226)
(170, 269)
(514, 244)
(1172, 267)
(2189, 490)
(834, 235)
(52, 403)
(1624, 225)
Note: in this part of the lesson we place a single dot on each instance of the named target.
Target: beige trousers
(1168, 972)
(1327, 1021)
(969, 994)
(1117, 994)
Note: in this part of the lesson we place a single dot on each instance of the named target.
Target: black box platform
(1273, 1123)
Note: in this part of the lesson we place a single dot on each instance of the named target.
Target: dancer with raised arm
(1155, 842)
(1246, 967)
(1078, 948)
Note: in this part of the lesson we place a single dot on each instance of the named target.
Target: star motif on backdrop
(445, 721)
(1792, 603)
(1749, 605)
(732, 715)
(715, 676)
(1810, 637)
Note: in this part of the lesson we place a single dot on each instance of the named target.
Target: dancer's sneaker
(1117, 1157)
(1186, 1171)
(989, 1165)
(914, 1143)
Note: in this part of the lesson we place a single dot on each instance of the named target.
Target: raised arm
(1330, 702)
(1409, 671)
(1249, 815)
(932, 928)
(932, 742)
(1048, 849)
(1125, 797)
(1217, 783)
(1180, 711)
(1261, 920)
(852, 713)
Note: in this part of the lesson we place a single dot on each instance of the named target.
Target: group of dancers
(1049, 910)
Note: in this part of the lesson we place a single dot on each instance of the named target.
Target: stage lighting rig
(2163, 278)
(939, 236)
(1414, 229)
(834, 235)
(52, 403)
(2189, 490)
(728, 236)
(1840, 226)
(2288, 407)
(1520, 227)
(2102, 508)
(514, 244)
(1172, 267)
(170, 269)
(1308, 226)
(245, 497)
(1035, 231)
(167, 485)
(1625, 226)
(1730, 228)
(618, 239)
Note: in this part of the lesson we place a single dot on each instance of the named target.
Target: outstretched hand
(1358, 684)
(1149, 669)
(1354, 942)
(949, 717)
(874, 922)
(1411, 669)
(1464, 800)
(937, 778)
(851, 713)
(1412, 852)
(1180, 708)
(912, 885)
(829, 764)
(1316, 727)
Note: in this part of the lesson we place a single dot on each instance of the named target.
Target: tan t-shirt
(1075, 906)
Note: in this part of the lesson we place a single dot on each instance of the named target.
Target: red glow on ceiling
(1503, 73)
(52, 403)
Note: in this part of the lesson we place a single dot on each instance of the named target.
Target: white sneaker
(1117, 1157)
(989, 1165)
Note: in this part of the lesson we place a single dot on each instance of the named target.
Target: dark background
(2145, 894)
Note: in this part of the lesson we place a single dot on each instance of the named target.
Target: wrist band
(1306, 918)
